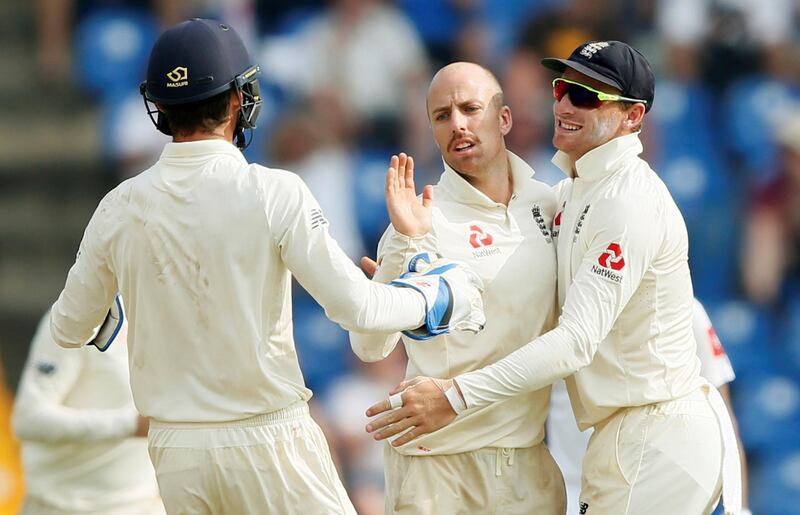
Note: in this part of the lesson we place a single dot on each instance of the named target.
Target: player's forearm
(550, 357)
(80, 309)
(37, 422)
(396, 249)
(374, 308)
(373, 347)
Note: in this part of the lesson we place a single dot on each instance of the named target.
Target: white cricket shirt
(75, 418)
(626, 295)
(512, 250)
(202, 247)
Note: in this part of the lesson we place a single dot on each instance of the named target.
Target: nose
(458, 121)
(563, 106)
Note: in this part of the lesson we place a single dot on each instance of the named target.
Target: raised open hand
(409, 216)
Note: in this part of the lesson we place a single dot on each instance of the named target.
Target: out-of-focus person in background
(55, 20)
(83, 445)
(772, 230)
(363, 59)
(568, 445)
(305, 140)
(729, 39)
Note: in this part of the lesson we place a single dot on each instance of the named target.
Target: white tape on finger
(396, 400)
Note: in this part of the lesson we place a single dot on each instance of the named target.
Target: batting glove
(452, 295)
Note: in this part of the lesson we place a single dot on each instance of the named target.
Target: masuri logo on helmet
(178, 77)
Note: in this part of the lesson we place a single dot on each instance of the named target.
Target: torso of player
(512, 250)
(209, 295)
(649, 354)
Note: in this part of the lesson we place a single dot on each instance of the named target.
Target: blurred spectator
(274, 16)
(345, 404)
(82, 438)
(733, 38)
(363, 59)
(305, 143)
(771, 259)
(56, 18)
(529, 95)
(438, 23)
(132, 143)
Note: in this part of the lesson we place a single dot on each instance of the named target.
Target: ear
(634, 116)
(236, 100)
(505, 120)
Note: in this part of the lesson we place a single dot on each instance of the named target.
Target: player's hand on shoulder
(452, 293)
(408, 215)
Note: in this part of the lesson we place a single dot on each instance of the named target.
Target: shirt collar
(602, 160)
(463, 191)
(201, 148)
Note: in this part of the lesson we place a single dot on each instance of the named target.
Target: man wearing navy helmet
(663, 440)
(202, 247)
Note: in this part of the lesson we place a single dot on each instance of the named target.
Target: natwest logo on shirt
(611, 262)
(612, 257)
(478, 237)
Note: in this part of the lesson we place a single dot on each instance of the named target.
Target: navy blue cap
(614, 63)
(195, 60)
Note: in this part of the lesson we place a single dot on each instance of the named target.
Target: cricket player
(568, 445)
(202, 247)
(83, 444)
(492, 215)
(663, 442)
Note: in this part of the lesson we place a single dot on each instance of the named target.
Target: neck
(496, 182)
(223, 132)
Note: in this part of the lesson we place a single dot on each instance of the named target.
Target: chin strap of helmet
(156, 116)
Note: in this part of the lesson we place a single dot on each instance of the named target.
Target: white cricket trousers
(275, 463)
(658, 459)
(490, 481)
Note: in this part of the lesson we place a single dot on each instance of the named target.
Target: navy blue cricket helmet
(195, 60)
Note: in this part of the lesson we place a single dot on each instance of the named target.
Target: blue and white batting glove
(111, 326)
(452, 295)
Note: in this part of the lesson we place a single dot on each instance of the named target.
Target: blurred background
(344, 84)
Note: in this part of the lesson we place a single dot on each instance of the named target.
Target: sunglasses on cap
(584, 96)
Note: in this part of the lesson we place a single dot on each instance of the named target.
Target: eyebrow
(459, 104)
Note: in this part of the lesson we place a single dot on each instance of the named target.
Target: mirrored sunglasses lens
(582, 97)
(560, 89)
(578, 95)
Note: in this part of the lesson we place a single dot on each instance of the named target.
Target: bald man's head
(461, 72)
